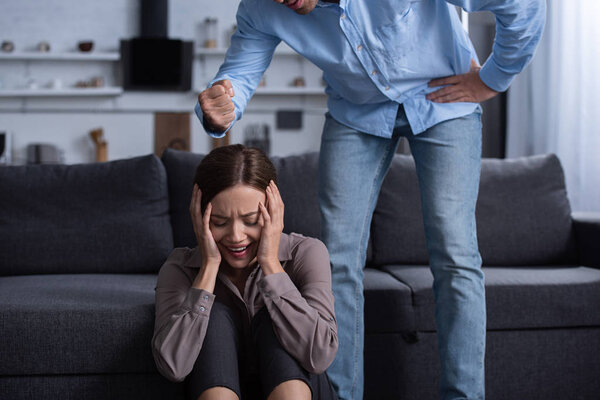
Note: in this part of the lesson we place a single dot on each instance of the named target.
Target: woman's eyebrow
(243, 215)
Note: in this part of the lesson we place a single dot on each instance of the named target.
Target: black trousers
(251, 369)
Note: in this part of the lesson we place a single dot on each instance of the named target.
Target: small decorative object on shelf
(210, 33)
(55, 83)
(85, 46)
(100, 144)
(43, 47)
(299, 82)
(43, 153)
(95, 82)
(8, 46)
(32, 84)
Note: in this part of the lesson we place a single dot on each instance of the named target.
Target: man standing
(393, 68)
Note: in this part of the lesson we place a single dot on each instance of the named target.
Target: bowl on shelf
(85, 46)
(8, 46)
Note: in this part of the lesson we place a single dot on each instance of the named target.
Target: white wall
(128, 119)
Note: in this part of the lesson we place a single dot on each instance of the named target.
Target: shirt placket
(362, 53)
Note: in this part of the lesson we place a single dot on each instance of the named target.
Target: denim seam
(371, 208)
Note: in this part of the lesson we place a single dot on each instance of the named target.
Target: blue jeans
(352, 166)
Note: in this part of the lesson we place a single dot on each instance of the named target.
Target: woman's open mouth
(239, 251)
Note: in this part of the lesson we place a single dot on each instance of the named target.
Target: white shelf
(70, 92)
(106, 56)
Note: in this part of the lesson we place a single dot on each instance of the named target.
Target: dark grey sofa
(80, 247)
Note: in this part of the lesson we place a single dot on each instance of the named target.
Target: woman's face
(234, 224)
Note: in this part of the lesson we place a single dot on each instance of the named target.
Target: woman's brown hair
(227, 166)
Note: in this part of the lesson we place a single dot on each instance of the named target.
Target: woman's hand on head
(271, 217)
(211, 257)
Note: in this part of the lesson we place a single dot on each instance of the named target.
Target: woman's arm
(183, 307)
(182, 315)
(302, 310)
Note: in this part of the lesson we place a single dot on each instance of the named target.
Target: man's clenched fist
(217, 107)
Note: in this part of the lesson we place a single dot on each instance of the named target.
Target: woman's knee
(218, 393)
(222, 319)
(292, 389)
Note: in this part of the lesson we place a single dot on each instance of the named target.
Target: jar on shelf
(210, 33)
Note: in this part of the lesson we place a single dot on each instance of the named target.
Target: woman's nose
(237, 233)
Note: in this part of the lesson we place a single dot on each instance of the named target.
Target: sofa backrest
(297, 176)
(523, 214)
(91, 218)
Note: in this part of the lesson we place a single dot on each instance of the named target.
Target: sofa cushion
(523, 214)
(297, 176)
(181, 168)
(521, 297)
(102, 217)
(388, 303)
(76, 324)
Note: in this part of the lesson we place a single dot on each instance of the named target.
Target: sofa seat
(76, 324)
(517, 297)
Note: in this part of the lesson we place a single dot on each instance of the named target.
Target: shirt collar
(193, 258)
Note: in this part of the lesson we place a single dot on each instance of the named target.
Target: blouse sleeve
(182, 314)
(302, 310)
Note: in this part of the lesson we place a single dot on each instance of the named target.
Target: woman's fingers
(264, 214)
(276, 206)
(206, 217)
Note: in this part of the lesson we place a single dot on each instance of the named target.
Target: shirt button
(374, 72)
(387, 88)
(205, 297)
(359, 47)
(343, 16)
(202, 309)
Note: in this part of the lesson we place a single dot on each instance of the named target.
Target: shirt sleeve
(247, 58)
(303, 313)
(519, 27)
(182, 315)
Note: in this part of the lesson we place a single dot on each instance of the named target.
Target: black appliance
(154, 62)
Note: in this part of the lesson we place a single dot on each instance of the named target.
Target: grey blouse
(299, 301)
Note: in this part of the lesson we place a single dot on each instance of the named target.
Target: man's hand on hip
(466, 87)
(217, 108)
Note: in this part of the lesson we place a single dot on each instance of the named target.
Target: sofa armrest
(587, 234)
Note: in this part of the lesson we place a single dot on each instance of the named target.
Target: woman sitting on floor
(248, 314)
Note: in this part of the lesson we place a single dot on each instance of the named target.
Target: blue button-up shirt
(377, 54)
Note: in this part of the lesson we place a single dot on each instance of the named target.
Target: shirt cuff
(274, 285)
(199, 301)
(200, 115)
(493, 76)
